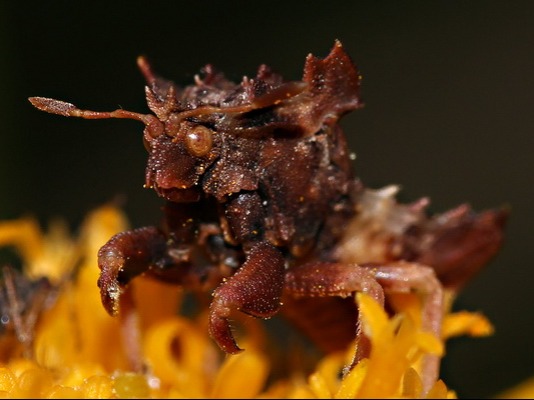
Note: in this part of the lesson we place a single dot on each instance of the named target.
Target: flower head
(75, 349)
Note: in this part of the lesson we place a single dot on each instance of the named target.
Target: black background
(449, 114)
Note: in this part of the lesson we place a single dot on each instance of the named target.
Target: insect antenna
(53, 106)
(70, 110)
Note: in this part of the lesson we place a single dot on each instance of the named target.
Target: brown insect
(263, 208)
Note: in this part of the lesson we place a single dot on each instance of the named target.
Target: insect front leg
(167, 253)
(123, 257)
(256, 287)
(162, 253)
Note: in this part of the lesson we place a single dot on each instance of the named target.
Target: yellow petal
(352, 383)
(408, 304)
(78, 374)
(523, 390)
(233, 382)
(184, 369)
(33, 383)
(131, 386)
(428, 343)
(56, 342)
(7, 379)
(319, 386)
(466, 323)
(374, 317)
(98, 387)
(329, 368)
(155, 300)
(412, 387)
(62, 392)
(25, 235)
(439, 391)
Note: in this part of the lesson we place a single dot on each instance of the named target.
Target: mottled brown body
(263, 208)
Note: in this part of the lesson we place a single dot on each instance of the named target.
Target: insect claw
(110, 291)
(221, 330)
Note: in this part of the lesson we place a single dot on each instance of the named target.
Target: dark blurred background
(449, 114)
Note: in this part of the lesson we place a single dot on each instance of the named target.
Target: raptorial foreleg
(255, 289)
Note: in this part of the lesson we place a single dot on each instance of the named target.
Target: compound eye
(199, 140)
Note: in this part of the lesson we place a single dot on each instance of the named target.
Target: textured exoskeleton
(263, 208)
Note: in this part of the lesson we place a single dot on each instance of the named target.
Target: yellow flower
(523, 390)
(76, 349)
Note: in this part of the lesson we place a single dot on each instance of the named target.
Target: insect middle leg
(324, 279)
(406, 277)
